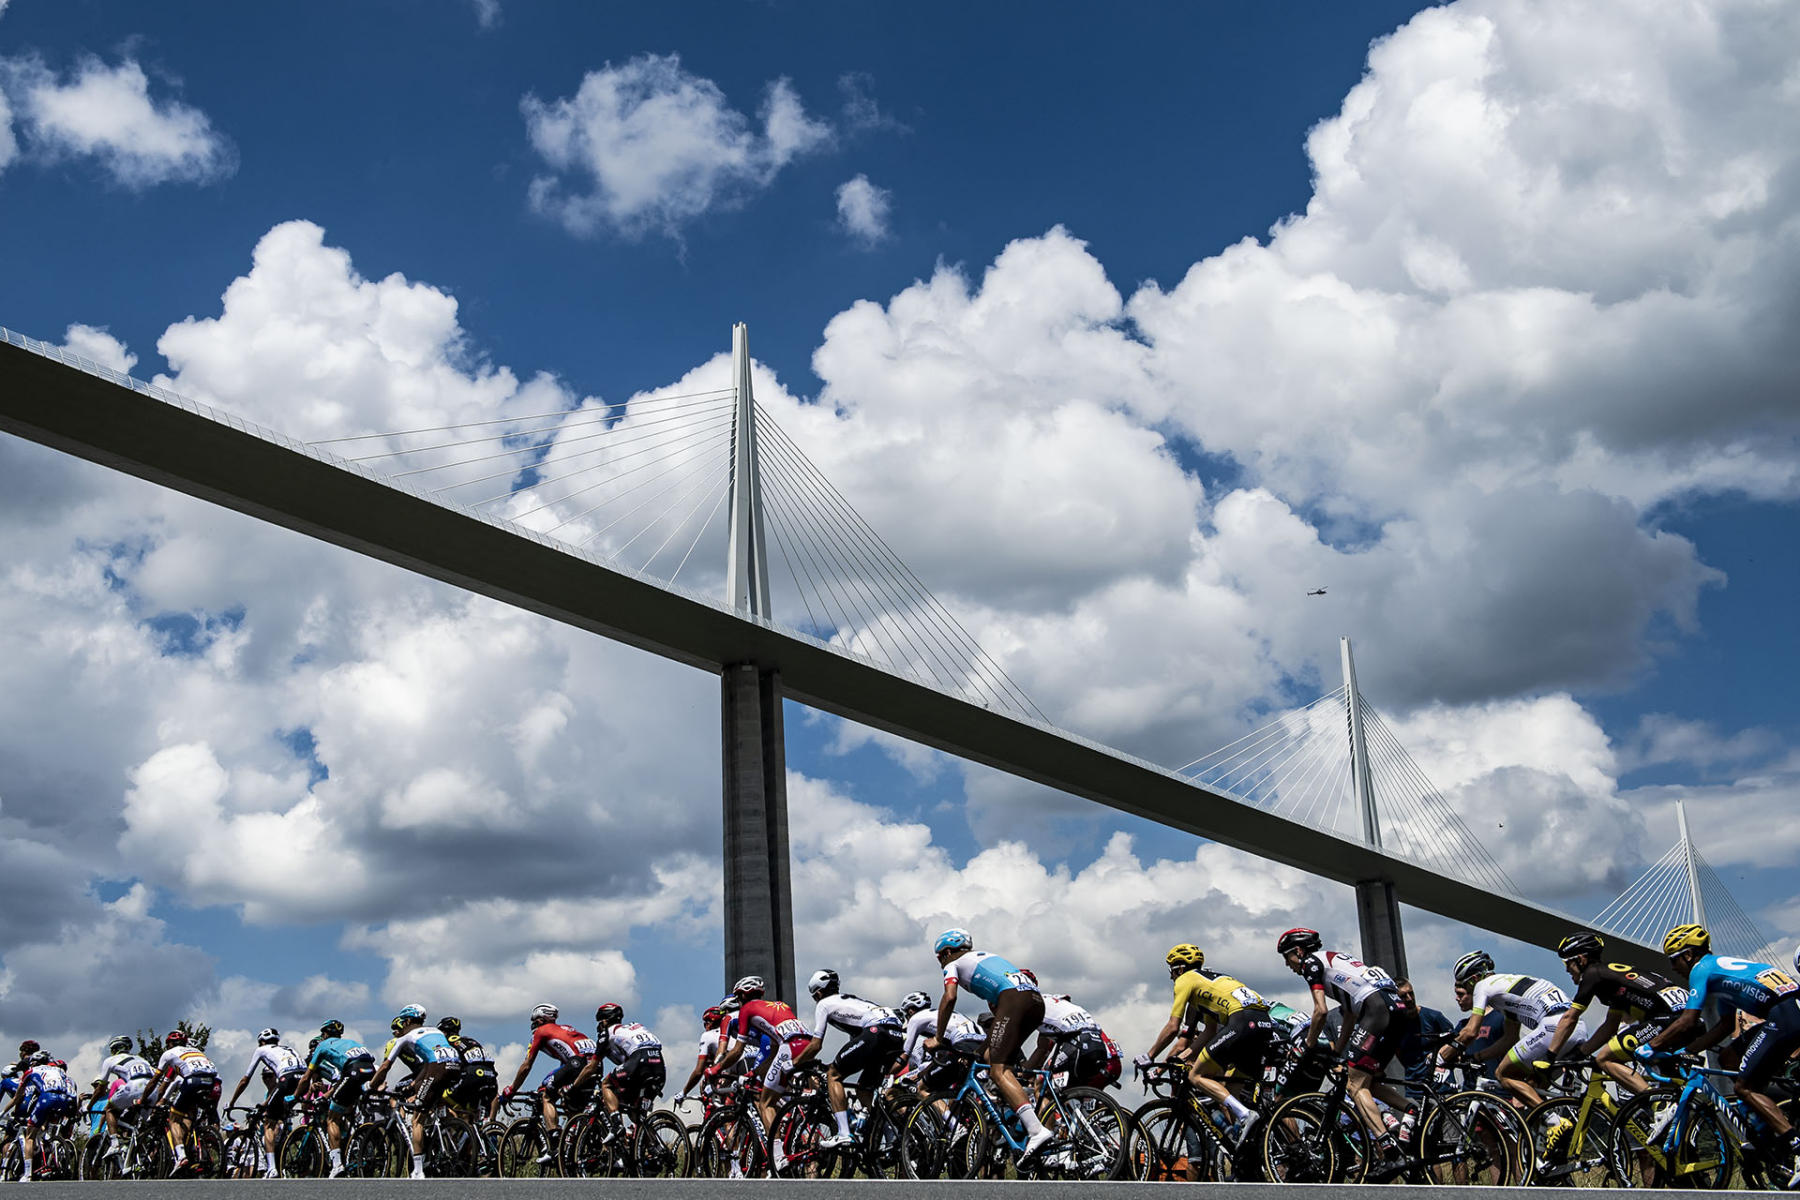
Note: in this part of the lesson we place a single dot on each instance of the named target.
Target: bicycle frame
(1695, 1091)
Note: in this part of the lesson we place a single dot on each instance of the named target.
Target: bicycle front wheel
(1566, 1151)
(1473, 1138)
(1654, 1146)
(1094, 1132)
(455, 1148)
(925, 1144)
(1168, 1147)
(525, 1151)
(1299, 1145)
(664, 1150)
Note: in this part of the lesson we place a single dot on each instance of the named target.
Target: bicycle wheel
(301, 1154)
(878, 1143)
(1565, 1151)
(1094, 1132)
(1298, 1145)
(1640, 1133)
(525, 1151)
(662, 1147)
(977, 1149)
(451, 1150)
(924, 1144)
(1172, 1148)
(1705, 1157)
(715, 1146)
(796, 1132)
(370, 1153)
(1472, 1138)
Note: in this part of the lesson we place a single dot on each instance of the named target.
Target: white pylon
(746, 564)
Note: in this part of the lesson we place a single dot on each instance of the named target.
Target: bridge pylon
(759, 906)
(1377, 902)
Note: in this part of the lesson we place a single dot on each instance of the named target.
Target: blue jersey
(422, 1047)
(987, 975)
(333, 1053)
(1738, 983)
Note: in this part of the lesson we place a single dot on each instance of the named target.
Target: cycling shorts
(1016, 1013)
(282, 1096)
(563, 1078)
(434, 1080)
(1376, 1036)
(196, 1095)
(781, 1065)
(1534, 1043)
(1767, 1046)
(944, 1071)
(352, 1079)
(868, 1055)
(50, 1107)
(641, 1074)
(1085, 1059)
(1241, 1046)
(475, 1089)
(126, 1092)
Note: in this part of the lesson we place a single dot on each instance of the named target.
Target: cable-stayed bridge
(605, 518)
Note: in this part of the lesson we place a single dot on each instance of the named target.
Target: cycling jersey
(186, 1062)
(985, 974)
(1063, 1018)
(1291, 1020)
(420, 1048)
(562, 1043)
(1348, 980)
(774, 1019)
(625, 1039)
(1635, 995)
(333, 1054)
(45, 1093)
(1739, 984)
(123, 1067)
(1524, 998)
(852, 1014)
(275, 1062)
(472, 1052)
(1204, 994)
(964, 1035)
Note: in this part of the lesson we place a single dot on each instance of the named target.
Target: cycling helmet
(608, 1014)
(331, 1029)
(1580, 943)
(120, 1045)
(915, 1002)
(175, 1037)
(1473, 966)
(313, 1045)
(450, 1026)
(822, 984)
(1797, 958)
(711, 1017)
(1686, 937)
(411, 1012)
(1303, 940)
(543, 1014)
(1187, 956)
(39, 1058)
(748, 988)
(268, 1037)
(731, 1003)
(952, 939)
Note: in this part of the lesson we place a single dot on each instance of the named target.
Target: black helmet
(38, 1058)
(1473, 966)
(608, 1014)
(449, 1026)
(331, 1029)
(313, 1045)
(1579, 943)
(1303, 940)
(120, 1045)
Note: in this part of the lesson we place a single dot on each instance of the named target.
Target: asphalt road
(692, 1189)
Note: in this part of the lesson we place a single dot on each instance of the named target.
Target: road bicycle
(1572, 1133)
(972, 1136)
(1683, 1133)
(641, 1140)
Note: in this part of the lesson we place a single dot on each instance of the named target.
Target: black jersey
(1637, 995)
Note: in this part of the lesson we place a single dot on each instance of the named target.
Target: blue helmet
(952, 939)
(411, 1012)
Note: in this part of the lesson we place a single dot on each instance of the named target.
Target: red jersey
(560, 1042)
(773, 1019)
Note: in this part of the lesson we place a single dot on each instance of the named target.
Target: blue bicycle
(1683, 1133)
(972, 1136)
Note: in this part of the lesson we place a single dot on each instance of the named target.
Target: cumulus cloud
(648, 146)
(862, 210)
(108, 114)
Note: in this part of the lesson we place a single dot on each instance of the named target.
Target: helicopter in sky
(1316, 592)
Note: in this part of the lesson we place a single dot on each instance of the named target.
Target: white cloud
(9, 143)
(107, 113)
(646, 146)
(863, 210)
(487, 13)
(99, 346)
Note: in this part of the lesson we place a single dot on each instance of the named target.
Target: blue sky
(1238, 304)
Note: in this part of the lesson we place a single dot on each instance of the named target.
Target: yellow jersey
(1201, 995)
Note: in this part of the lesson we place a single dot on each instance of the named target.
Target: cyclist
(1018, 1008)
(1735, 985)
(477, 1088)
(571, 1049)
(1643, 1002)
(712, 1038)
(786, 1037)
(639, 1054)
(124, 1077)
(1072, 1044)
(1528, 1004)
(45, 1094)
(1373, 1016)
(349, 1063)
(435, 1066)
(875, 1041)
(191, 1082)
(282, 1071)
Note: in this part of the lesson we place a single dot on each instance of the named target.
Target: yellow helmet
(1186, 956)
(1687, 937)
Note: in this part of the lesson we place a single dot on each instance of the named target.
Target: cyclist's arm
(524, 1067)
(1040, 1053)
(595, 1062)
(947, 1005)
(1565, 1026)
(1680, 1031)
(810, 1051)
(1209, 1026)
(731, 1055)
(1346, 1024)
(1166, 1036)
(1453, 1049)
(239, 1089)
(1604, 1034)
(1317, 1026)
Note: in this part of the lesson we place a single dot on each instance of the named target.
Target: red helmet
(175, 1037)
(1303, 940)
(712, 1016)
(1028, 973)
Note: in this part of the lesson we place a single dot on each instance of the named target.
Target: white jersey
(626, 1039)
(1064, 1018)
(924, 1024)
(852, 1014)
(1522, 997)
(125, 1067)
(1347, 980)
(275, 1062)
(186, 1062)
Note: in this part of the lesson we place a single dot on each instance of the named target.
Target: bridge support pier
(759, 907)
(1378, 919)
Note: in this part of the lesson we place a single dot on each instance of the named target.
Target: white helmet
(1797, 958)
(823, 983)
(544, 1013)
